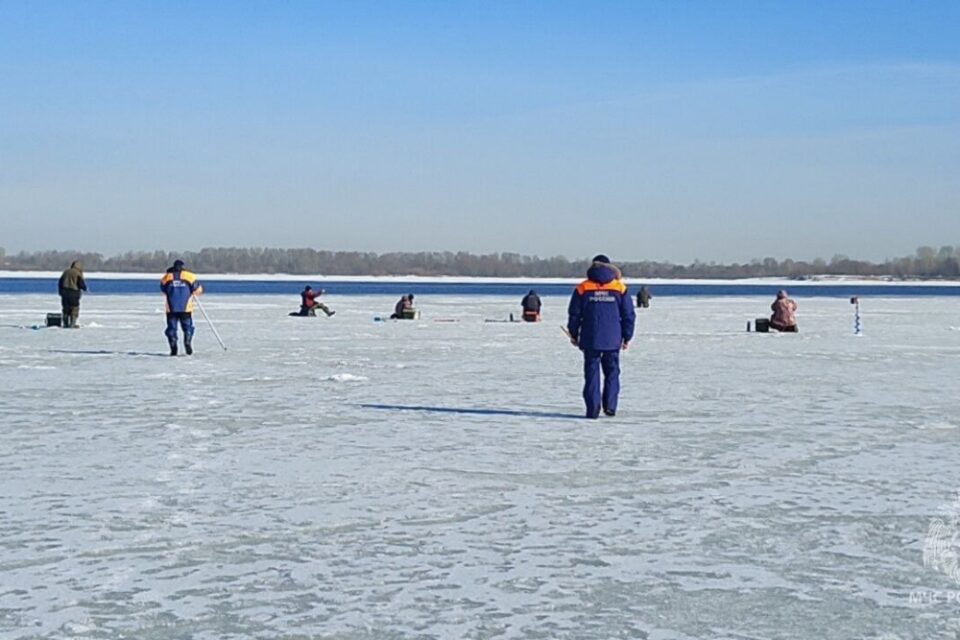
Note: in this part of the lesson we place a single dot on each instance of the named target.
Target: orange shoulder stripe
(616, 286)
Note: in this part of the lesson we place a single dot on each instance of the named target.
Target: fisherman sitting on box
(784, 313)
(404, 309)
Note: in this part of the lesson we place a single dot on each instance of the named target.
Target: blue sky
(645, 130)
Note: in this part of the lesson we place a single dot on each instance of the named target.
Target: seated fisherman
(404, 309)
(784, 313)
(531, 307)
(309, 303)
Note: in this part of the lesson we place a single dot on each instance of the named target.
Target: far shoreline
(851, 281)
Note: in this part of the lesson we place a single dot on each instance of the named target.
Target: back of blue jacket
(601, 315)
(179, 286)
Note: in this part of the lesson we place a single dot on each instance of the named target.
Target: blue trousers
(185, 320)
(593, 362)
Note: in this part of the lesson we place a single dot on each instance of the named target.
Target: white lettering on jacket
(602, 296)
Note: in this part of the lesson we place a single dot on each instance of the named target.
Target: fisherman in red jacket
(309, 303)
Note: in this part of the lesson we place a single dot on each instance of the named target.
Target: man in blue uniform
(601, 322)
(180, 286)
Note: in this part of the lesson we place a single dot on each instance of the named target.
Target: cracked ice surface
(341, 478)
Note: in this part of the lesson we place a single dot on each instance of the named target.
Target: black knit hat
(601, 258)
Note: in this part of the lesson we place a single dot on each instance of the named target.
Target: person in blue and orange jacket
(179, 286)
(601, 322)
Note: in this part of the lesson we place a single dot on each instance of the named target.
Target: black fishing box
(54, 320)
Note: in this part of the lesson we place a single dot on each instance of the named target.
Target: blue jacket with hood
(180, 286)
(601, 315)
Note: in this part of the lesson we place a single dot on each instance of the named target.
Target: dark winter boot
(187, 346)
(173, 347)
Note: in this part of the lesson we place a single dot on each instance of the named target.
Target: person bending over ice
(404, 309)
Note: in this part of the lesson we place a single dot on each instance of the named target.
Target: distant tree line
(926, 263)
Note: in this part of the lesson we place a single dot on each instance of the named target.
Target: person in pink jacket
(784, 316)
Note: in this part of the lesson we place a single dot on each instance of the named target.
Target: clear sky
(644, 130)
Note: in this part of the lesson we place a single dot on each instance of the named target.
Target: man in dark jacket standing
(71, 287)
(643, 298)
(601, 322)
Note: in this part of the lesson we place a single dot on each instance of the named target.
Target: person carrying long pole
(181, 289)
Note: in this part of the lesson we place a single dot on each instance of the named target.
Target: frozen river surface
(341, 478)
